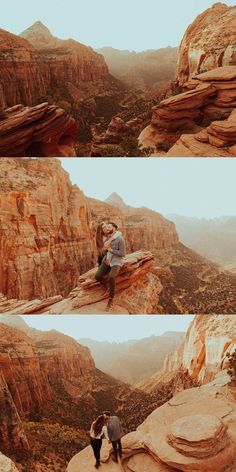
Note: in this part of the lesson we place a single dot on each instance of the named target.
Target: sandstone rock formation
(209, 42)
(201, 119)
(203, 352)
(208, 97)
(43, 130)
(6, 465)
(38, 63)
(46, 242)
(137, 291)
(180, 435)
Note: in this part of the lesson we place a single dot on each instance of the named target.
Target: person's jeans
(96, 446)
(102, 271)
(117, 448)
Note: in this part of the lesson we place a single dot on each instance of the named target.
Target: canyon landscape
(59, 97)
(48, 252)
(50, 389)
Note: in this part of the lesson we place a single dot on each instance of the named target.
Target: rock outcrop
(43, 130)
(194, 431)
(209, 42)
(40, 64)
(200, 119)
(137, 291)
(208, 99)
(6, 465)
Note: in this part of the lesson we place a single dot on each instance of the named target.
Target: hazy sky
(190, 187)
(110, 328)
(124, 24)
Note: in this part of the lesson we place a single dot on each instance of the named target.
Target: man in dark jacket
(111, 264)
(115, 433)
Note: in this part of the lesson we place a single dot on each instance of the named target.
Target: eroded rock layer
(43, 130)
(199, 121)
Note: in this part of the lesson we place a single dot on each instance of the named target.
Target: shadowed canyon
(49, 383)
(48, 251)
(65, 99)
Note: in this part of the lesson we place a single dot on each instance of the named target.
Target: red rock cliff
(209, 42)
(45, 238)
(30, 71)
(32, 367)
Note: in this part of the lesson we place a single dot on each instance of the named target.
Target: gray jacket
(114, 428)
(118, 252)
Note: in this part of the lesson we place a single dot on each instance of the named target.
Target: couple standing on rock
(111, 251)
(109, 427)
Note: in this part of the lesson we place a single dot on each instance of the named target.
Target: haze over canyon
(66, 99)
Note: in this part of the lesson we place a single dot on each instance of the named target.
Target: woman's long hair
(98, 425)
(99, 237)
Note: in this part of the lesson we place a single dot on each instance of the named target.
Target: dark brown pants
(102, 271)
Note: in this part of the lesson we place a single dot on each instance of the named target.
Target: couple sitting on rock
(111, 251)
(109, 427)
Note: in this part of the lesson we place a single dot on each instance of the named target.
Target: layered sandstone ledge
(137, 289)
(43, 130)
(179, 124)
(194, 431)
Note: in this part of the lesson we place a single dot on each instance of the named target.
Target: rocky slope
(208, 43)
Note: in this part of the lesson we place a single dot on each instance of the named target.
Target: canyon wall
(45, 238)
(37, 64)
(32, 368)
(208, 43)
(203, 352)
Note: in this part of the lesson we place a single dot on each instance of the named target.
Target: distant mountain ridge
(133, 360)
(212, 238)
